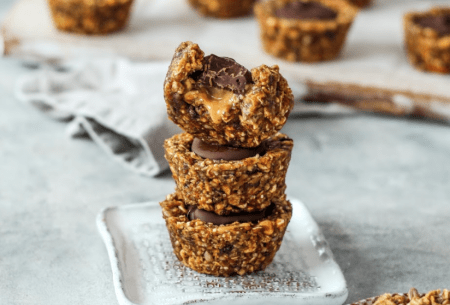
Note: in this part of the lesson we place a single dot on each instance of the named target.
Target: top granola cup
(223, 8)
(220, 115)
(413, 297)
(306, 40)
(426, 48)
(90, 17)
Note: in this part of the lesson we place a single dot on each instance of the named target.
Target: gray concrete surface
(379, 188)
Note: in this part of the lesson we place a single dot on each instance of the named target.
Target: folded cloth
(118, 103)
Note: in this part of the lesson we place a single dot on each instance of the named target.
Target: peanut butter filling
(217, 101)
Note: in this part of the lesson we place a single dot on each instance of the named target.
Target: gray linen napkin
(118, 103)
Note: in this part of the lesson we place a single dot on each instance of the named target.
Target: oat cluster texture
(90, 17)
(426, 49)
(413, 297)
(252, 111)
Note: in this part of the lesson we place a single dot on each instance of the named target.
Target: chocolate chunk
(274, 144)
(220, 152)
(227, 249)
(440, 24)
(211, 217)
(224, 73)
(305, 10)
(330, 34)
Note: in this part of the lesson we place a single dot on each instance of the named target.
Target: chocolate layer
(221, 152)
(440, 23)
(210, 217)
(305, 10)
(223, 73)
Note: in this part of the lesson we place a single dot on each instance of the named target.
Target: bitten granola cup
(90, 17)
(221, 102)
(427, 39)
(224, 250)
(318, 35)
(223, 186)
(223, 8)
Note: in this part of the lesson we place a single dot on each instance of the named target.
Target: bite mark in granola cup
(427, 49)
(225, 250)
(225, 187)
(306, 40)
(90, 17)
(222, 116)
(223, 8)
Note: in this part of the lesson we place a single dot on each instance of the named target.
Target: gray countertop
(379, 188)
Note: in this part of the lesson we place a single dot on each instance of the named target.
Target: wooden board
(371, 74)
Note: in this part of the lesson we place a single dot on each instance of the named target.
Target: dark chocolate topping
(224, 73)
(305, 10)
(440, 23)
(211, 217)
(221, 152)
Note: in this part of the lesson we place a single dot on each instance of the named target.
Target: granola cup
(223, 8)
(225, 250)
(304, 40)
(426, 49)
(413, 297)
(225, 187)
(246, 121)
(90, 17)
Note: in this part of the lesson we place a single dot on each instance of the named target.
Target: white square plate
(145, 270)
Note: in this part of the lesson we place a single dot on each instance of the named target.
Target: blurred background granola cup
(361, 3)
(428, 48)
(225, 187)
(91, 17)
(226, 249)
(306, 39)
(223, 8)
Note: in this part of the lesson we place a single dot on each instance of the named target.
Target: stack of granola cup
(229, 212)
